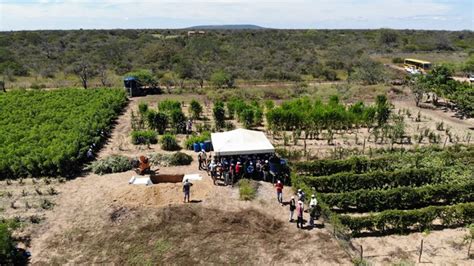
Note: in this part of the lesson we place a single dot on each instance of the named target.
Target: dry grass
(180, 234)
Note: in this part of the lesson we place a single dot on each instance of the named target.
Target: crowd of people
(232, 168)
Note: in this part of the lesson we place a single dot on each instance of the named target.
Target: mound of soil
(177, 234)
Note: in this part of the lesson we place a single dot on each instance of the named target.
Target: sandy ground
(446, 247)
(86, 203)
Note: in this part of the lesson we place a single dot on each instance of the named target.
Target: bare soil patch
(183, 235)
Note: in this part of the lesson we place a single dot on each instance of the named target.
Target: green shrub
(356, 164)
(111, 164)
(8, 253)
(401, 198)
(168, 143)
(157, 121)
(169, 106)
(188, 143)
(403, 221)
(143, 108)
(247, 189)
(219, 115)
(144, 137)
(343, 182)
(397, 60)
(195, 109)
(180, 158)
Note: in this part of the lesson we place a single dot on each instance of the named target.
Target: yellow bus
(416, 64)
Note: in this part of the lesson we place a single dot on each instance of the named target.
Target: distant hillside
(227, 27)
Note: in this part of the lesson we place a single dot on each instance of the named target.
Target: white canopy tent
(240, 141)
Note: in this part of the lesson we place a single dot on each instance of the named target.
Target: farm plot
(49, 133)
(397, 192)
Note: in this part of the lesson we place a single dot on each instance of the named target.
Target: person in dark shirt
(187, 189)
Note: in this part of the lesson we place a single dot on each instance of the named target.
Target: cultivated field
(389, 156)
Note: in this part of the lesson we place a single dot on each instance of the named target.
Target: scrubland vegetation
(101, 57)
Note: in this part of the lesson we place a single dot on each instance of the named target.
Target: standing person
(187, 189)
(250, 170)
(212, 168)
(258, 170)
(189, 126)
(238, 170)
(279, 189)
(292, 207)
(301, 195)
(266, 170)
(232, 173)
(202, 158)
(312, 209)
(299, 214)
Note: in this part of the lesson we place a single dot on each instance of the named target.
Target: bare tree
(85, 71)
(103, 75)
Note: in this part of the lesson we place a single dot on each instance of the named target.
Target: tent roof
(241, 141)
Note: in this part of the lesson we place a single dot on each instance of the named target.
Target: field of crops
(396, 192)
(48, 133)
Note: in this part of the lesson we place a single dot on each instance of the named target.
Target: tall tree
(85, 71)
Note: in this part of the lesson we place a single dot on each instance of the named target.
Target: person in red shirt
(279, 189)
(238, 170)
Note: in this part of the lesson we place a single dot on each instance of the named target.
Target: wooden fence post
(361, 253)
(421, 251)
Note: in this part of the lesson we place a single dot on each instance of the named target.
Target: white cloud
(299, 13)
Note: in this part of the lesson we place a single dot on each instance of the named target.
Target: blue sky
(109, 14)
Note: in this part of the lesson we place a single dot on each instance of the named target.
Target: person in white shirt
(312, 209)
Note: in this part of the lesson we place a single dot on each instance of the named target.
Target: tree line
(218, 55)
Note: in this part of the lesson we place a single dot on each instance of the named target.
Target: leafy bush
(142, 108)
(8, 252)
(343, 182)
(219, 115)
(220, 79)
(144, 137)
(168, 143)
(419, 219)
(195, 109)
(175, 159)
(111, 164)
(247, 189)
(48, 133)
(356, 164)
(169, 106)
(303, 113)
(157, 121)
(180, 158)
(178, 121)
(401, 198)
(397, 60)
(206, 135)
